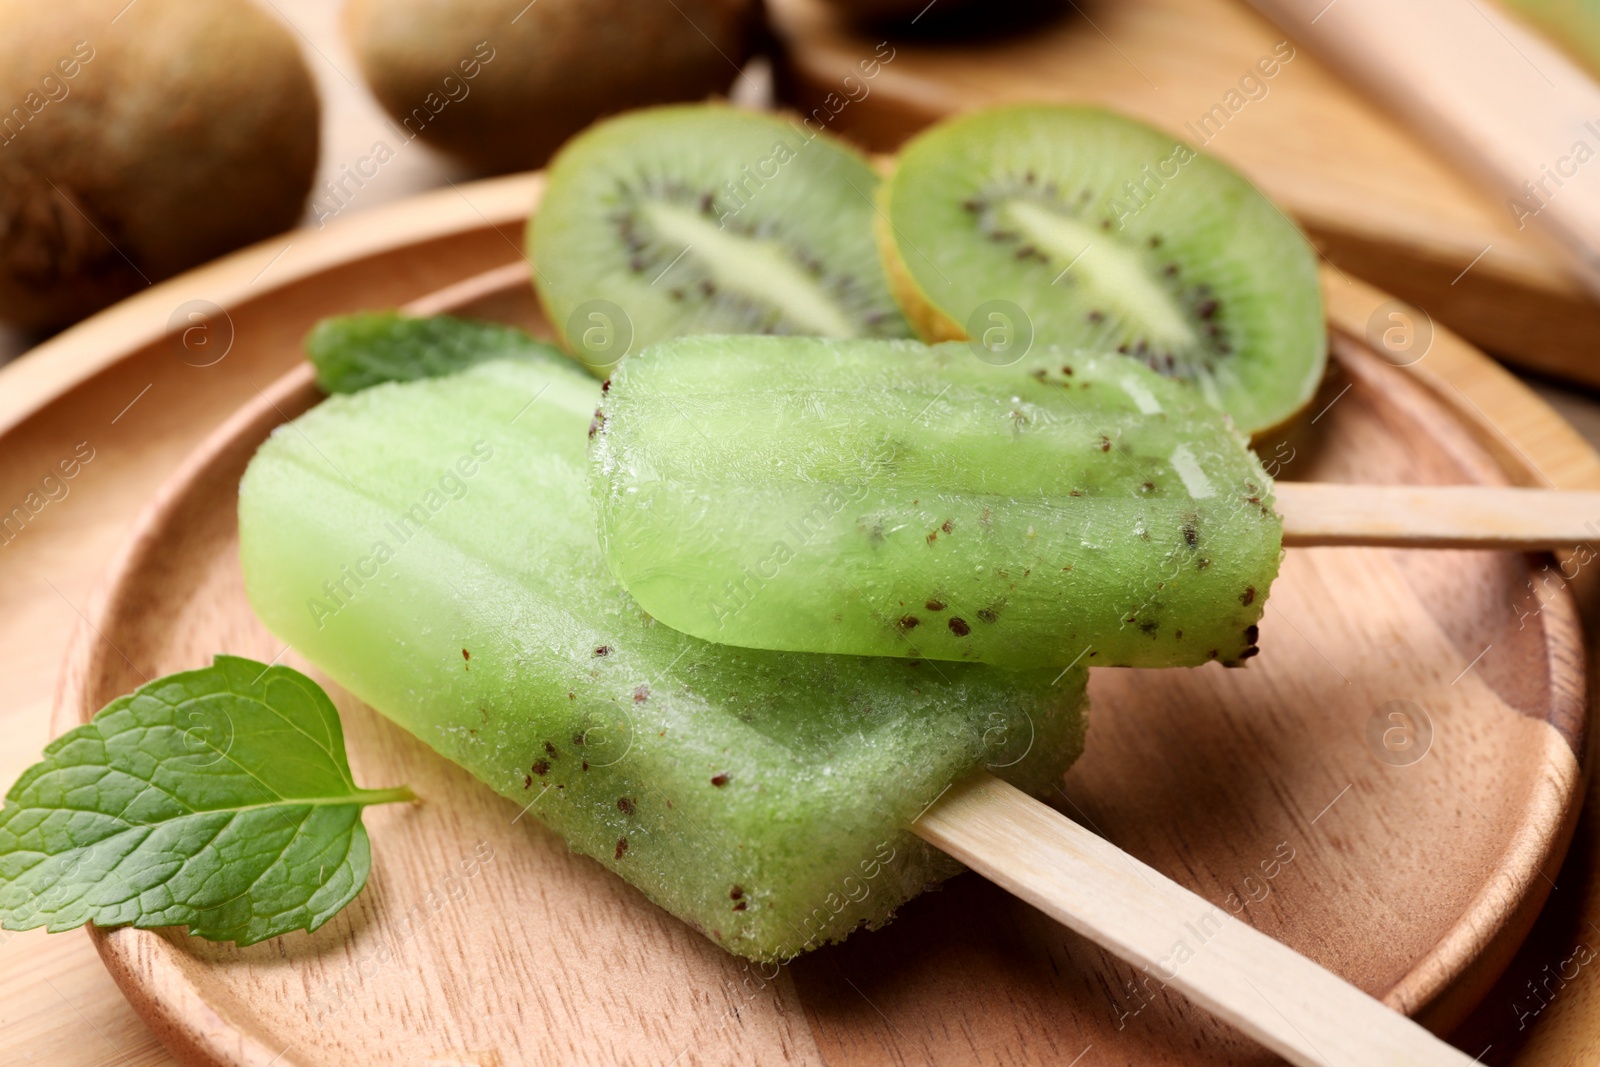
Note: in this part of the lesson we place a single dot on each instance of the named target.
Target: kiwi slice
(704, 218)
(1108, 235)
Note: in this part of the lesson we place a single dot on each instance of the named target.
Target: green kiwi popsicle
(889, 498)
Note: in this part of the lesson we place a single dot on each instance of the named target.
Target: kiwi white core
(1115, 273)
(757, 269)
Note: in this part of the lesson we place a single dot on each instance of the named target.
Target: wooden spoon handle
(1437, 516)
(1489, 93)
(1291, 1005)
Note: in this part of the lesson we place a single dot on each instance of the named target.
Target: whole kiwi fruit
(502, 83)
(137, 140)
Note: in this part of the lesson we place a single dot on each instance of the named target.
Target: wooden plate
(482, 940)
(1374, 197)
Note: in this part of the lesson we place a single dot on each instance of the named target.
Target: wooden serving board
(1416, 881)
(1374, 198)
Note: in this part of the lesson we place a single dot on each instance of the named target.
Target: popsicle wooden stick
(1293, 1006)
(1436, 516)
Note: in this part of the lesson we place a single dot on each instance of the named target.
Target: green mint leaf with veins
(218, 799)
(352, 352)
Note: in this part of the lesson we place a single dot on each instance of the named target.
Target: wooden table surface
(58, 1005)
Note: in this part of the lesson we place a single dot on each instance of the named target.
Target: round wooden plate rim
(143, 961)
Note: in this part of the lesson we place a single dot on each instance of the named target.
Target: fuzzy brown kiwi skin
(189, 131)
(552, 67)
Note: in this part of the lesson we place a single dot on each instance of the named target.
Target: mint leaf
(218, 799)
(352, 352)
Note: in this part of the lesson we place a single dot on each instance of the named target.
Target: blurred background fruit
(1570, 24)
(879, 10)
(138, 140)
(502, 83)
(956, 19)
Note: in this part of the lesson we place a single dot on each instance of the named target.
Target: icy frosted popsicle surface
(889, 498)
(432, 547)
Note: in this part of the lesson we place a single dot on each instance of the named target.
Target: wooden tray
(1400, 883)
(1375, 199)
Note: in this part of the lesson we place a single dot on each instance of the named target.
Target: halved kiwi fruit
(707, 219)
(1107, 235)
